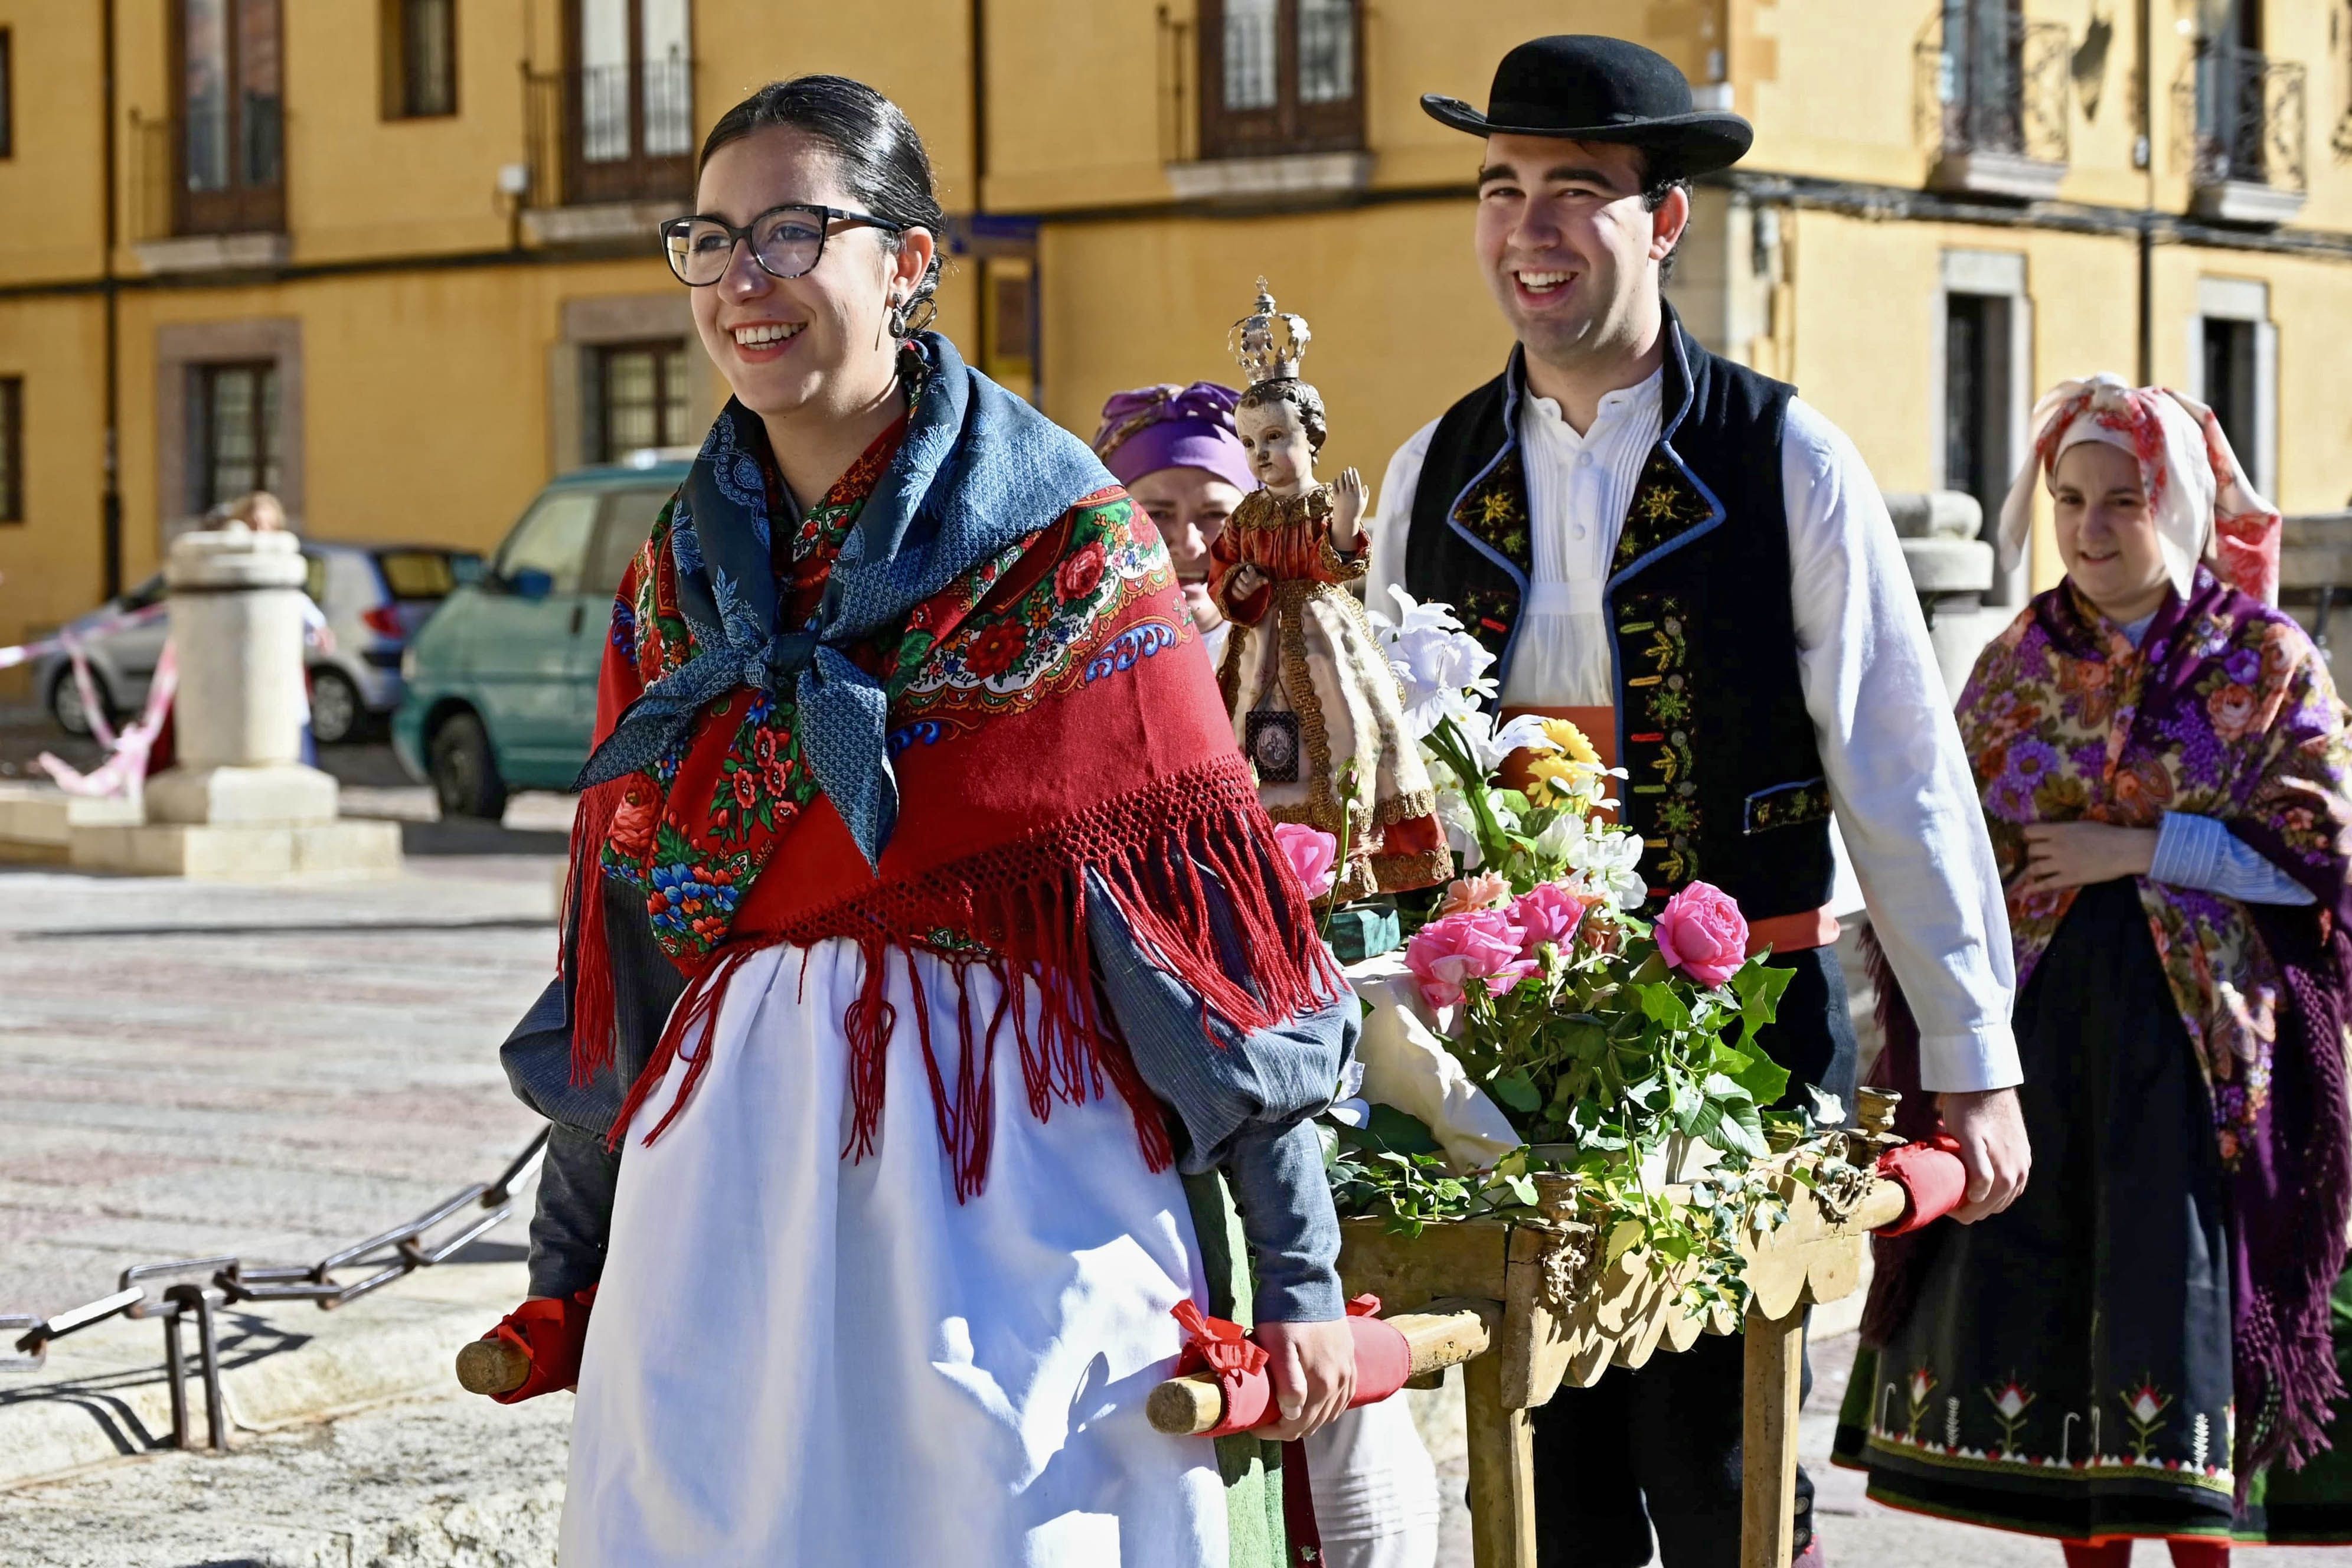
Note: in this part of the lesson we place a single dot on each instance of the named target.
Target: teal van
(501, 681)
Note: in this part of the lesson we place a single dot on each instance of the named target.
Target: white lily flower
(1553, 842)
(1476, 728)
(1505, 817)
(1412, 616)
(1442, 667)
(1487, 746)
(1525, 732)
(1605, 859)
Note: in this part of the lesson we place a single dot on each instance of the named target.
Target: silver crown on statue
(1268, 343)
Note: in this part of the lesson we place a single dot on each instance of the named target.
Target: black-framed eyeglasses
(786, 241)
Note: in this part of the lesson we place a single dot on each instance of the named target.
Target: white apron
(796, 1359)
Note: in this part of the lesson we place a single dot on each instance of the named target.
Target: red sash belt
(1783, 933)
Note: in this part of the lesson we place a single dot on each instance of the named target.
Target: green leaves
(1759, 987)
(1517, 1090)
(1728, 1119)
(1660, 1004)
(1609, 1064)
(1757, 1075)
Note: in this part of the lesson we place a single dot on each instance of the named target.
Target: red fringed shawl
(1051, 714)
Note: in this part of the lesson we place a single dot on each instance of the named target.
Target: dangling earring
(898, 321)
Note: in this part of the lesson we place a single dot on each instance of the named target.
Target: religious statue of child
(1315, 706)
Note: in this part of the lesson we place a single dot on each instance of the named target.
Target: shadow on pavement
(467, 837)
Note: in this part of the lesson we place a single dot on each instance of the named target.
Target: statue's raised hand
(1347, 510)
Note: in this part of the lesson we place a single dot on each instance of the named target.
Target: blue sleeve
(2201, 852)
(1244, 1101)
(574, 1208)
(574, 1212)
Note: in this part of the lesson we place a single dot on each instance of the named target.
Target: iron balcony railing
(1989, 81)
(611, 133)
(190, 178)
(2242, 116)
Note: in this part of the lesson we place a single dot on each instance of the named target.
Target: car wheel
(465, 780)
(65, 704)
(334, 708)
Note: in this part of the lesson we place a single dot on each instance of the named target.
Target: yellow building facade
(395, 256)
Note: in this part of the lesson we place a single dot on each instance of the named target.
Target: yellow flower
(1560, 733)
(1555, 778)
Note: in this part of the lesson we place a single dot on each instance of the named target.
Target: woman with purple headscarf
(2140, 1346)
(1174, 450)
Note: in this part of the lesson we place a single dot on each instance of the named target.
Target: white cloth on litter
(799, 1358)
(1407, 1066)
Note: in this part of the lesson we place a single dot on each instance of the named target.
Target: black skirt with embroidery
(2067, 1370)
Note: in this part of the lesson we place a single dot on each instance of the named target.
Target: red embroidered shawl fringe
(1025, 904)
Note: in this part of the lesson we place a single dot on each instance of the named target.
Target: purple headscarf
(1173, 427)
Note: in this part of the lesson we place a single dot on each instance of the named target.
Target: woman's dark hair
(880, 159)
(1299, 396)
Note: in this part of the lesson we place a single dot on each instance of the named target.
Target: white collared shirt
(1903, 797)
(1576, 484)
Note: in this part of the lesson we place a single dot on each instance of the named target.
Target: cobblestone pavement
(454, 1481)
(265, 1071)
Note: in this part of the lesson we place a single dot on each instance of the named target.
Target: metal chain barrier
(227, 1281)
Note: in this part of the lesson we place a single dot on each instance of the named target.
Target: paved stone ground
(273, 1072)
(454, 1482)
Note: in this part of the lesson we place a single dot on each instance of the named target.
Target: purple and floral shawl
(2226, 710)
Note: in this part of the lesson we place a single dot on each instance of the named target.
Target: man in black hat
(1697, 566)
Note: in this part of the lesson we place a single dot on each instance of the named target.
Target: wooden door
(229, 125)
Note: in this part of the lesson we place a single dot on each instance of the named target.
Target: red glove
(1932, 1180)
(1384, 1362)
(549, 1332)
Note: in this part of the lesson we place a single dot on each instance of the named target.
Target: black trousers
(1658, 1446)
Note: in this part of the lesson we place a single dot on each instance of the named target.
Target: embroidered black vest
(1725, 779)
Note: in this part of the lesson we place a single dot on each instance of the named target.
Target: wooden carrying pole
(493, 1366)
(1446, 1334)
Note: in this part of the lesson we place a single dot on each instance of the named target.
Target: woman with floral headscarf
(2140, 1346)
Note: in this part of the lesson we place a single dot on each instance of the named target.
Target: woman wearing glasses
(923, 922)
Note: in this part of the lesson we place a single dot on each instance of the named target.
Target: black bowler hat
(1584, 87)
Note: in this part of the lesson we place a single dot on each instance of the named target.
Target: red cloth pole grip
(1384, 1362)
(550, 1332)
(1932, 1180)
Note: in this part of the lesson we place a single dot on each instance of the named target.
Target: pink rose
(1702, 933)
(1313, 854)
(1486, 891)
(1547, 912)
(1447, 955)
(2233, 710)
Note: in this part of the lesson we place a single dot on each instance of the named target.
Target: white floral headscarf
(2205, 506)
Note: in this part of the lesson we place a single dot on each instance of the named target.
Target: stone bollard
(1951, 570)
(238, 803)
(237, 621)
